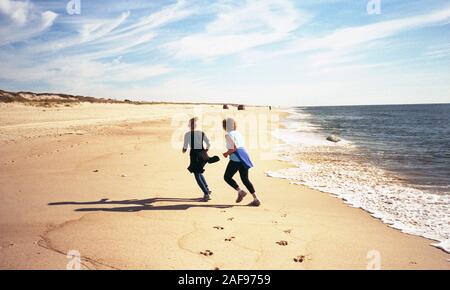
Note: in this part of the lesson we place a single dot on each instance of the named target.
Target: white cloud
(351, 37)
(17, 11)
(171, 13)
(440, 51)
(75, 70)
(87, 31)
(132, 73)
(344, 46)
(239, 27)
(78, 60)
(114, 32)
(21, 20)
(113, 54)
(94, 31)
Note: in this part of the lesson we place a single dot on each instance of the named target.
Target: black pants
(231, 170)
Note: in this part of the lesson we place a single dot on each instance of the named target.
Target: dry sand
(108, 182)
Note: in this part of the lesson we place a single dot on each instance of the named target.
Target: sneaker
(241, 195)
(206, 197)
(255, 203)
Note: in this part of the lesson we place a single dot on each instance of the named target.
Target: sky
(277, 52)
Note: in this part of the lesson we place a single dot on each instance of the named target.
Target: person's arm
(186, 142)
(232, 150)
(206, 140)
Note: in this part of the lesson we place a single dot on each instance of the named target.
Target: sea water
(393, 161)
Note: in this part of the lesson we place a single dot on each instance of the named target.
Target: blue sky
(280, 52)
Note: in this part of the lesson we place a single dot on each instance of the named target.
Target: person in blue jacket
(239, 161)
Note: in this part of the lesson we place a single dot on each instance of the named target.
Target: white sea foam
(330, 167)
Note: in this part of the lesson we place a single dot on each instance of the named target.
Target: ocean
(393, 161)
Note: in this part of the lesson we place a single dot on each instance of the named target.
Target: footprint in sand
(229, 239)
(282, 243)
(287, 231)
(274, 222)
(299, 259)
(230, 219)
(284, 215)
(218, 228)
(207, 253)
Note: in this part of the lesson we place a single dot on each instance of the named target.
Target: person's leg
(202, 178)
(231, 170)
(243, 172)
(199, 178)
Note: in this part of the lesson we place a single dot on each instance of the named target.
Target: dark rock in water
(333, 138)
(241, 107)
(225, 107)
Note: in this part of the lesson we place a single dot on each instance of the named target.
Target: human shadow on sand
(141, 204)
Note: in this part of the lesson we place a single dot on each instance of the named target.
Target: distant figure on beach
(198, 156)
(239, 161)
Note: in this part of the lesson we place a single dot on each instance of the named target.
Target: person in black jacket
(198, 156)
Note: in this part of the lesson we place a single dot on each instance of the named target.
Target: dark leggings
(201, 181)
(231, 170)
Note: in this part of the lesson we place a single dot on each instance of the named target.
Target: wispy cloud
(348, 48)
(77, 59)
(242, 26)
(21, 20)
(222, 49)
(87, 32)
(357, 35)
(440, 51)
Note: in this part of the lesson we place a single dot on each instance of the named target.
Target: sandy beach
(109, 181)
